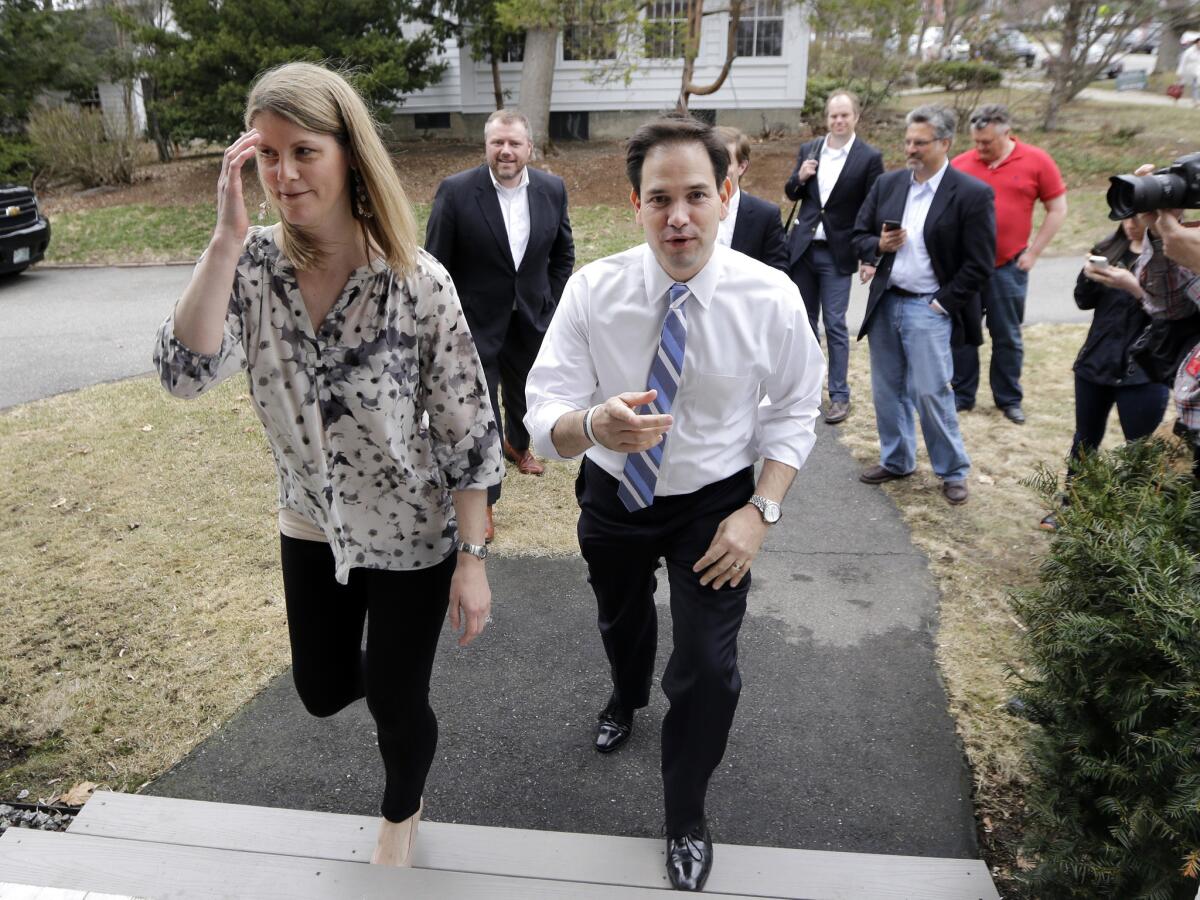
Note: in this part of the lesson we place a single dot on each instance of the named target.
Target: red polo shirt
(1027, 175)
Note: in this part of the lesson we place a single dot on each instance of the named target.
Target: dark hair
(674, 128)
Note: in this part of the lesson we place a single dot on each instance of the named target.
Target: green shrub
(1114, 644)
(956, 75)
(84, 145)
(16, 159)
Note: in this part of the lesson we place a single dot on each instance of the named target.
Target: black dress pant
(405, 612)
(701, 680)
(507, 373)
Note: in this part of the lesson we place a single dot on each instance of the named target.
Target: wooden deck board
(560, 856)
(172, 872)
(9, 891)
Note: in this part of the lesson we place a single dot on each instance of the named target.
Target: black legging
(1140, 408)
(331, 671)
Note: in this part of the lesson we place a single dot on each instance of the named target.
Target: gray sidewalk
(842, 740)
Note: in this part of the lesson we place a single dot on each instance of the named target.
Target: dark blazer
(864, 164)
(960, 235)
(758, 232)
(466, 234)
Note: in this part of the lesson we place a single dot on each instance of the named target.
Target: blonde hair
(322, 101)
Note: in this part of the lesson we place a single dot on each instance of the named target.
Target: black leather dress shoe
(689, 859)
(1014, 414)
(616, 725)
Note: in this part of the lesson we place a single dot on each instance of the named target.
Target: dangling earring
(362, 200)
(262, 211)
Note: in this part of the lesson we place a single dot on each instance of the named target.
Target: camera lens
(1132, 194)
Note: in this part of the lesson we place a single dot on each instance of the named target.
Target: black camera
(1176, 186)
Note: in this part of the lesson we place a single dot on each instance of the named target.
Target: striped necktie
(641, 469)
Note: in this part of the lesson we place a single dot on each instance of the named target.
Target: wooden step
(543, 855)
(156, 870)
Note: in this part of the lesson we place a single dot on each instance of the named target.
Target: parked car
(24, 231)
(1008, 45)
(931, 46)
(1114, 67)
(1144, 39)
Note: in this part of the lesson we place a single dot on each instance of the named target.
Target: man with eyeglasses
(931, 231)
(1020, 175)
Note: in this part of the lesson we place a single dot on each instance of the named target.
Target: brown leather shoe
(489, 533)
(955, 492)
(837, 411)
(878, 475)
(527, 463)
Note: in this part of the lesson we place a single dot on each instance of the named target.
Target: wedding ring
(487, 621)
(737, 565)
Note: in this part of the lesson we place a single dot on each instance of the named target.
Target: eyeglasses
(908, 142)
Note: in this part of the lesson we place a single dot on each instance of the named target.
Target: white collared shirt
(829, 170)
(729, 223)
(748, 338)
(514, 206)
(912, 269)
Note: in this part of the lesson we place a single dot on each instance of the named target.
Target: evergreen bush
(16, 159)
(1113, 690)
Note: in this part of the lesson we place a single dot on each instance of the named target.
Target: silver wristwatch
(768, 509)
(479, 551)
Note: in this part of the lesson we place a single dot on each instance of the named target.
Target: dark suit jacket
(960, 235)
(864, 164)
(758, 232)
(466, 234)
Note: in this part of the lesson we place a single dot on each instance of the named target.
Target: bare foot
(395, 844)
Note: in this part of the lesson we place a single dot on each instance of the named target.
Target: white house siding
(112, 102)
(754, 83)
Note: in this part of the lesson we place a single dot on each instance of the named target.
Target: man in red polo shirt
(1020, 175)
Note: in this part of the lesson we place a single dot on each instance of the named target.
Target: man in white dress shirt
(653, 369)
(502, 232)
(821, 257)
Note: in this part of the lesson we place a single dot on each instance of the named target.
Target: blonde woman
(350, 335)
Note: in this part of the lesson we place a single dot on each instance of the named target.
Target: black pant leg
(520, 350)
(701, 680)
(621, 560)
(325, 625)
(405, 615)
(1140, 408)
(491, 371)
(1093, 403)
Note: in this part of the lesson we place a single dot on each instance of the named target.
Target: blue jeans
(826, 290)
(1004, 301)
(910, 373)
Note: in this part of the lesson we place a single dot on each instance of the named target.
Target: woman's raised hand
(232, 220)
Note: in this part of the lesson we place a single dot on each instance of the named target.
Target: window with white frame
(512, 48)
(665, 29)
(590, 36)
(760, 29)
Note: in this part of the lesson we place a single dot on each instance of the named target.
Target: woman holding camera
(1105, 374)
(368, 385)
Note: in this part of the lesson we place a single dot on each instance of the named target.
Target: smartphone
(890, 224)
(1098, 260)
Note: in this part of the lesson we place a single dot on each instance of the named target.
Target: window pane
(770, 38)
(745, 38)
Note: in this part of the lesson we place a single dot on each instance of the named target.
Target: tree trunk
(1060, 84)
(692, 50)
(162, 143)
(1169, 48)
(537, 82)
(497, 90)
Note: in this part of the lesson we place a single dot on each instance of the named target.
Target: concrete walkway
(842, 739)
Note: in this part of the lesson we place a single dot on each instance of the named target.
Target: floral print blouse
(373, 418)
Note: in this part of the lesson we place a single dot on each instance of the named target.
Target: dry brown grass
(980, 551)
(143, 604)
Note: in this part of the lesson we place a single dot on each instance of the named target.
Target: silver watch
(479, 551)
(768, 509)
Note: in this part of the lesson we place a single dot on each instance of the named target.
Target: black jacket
(960, 236)
(758, 232)
(863, 165)
(466, 234)
(1117, 322)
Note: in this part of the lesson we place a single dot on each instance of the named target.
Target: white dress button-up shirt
(729, 223)
(514, 206)
(829, 170)
(748, 342)
(912, 269)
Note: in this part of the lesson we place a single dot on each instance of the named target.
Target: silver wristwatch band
(479, 551)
